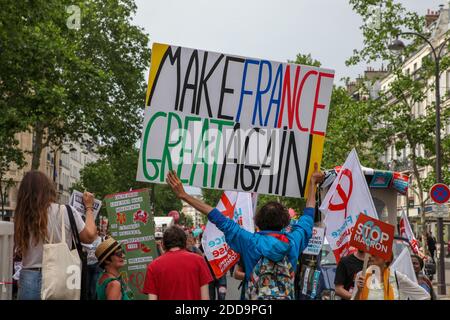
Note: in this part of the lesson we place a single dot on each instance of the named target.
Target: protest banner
(347, 197)
(76, 201)
(132, 225)
(406, 232)
(316, 241)
(239, 207)
(373, 236)
(233, 123)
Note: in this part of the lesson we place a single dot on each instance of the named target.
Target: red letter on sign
(317, 105)
(299, 96)
(287, 96)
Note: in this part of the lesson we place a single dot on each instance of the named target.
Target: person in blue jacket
(271, 219)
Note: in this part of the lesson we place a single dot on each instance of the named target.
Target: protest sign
(239, 207)
(406, 232)
(76, 201)
(373, 236)
(348, 196)
(233, 123)
(316, 241)
(132, 225)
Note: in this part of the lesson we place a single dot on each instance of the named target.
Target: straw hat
(105, 249)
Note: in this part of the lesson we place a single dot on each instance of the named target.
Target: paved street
(447, 280)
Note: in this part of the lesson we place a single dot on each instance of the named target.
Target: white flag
(406, 232)
(348, 196)
(403, 264)
(239, 207)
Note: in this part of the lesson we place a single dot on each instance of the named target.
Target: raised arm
(316, 178)
(174, 182)
(237, 238)
(302, 230)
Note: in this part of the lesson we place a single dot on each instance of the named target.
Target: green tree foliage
(306, 59)
(393, 110)
(211, 196)
(382, 20)
(72, 83)
(349, 126)
(186, 220)
(10, 155)
(118, 174)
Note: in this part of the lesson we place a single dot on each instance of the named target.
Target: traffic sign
(440, 193)
(441, 211)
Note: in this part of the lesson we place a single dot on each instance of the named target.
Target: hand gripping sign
(373, 236)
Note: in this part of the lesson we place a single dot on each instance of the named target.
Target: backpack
(271, 280)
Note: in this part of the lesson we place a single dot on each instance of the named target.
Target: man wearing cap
(178, 274)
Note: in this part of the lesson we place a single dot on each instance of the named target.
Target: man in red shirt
(178, 274)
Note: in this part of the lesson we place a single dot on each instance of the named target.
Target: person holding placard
(267, 247)
(37, 220)
(383, 283)
(346, 271)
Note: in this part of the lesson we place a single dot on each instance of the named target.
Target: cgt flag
(348, 196)
(406, 232)
(239, 207)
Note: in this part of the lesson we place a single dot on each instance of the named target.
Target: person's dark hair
(103, 264)
(174, 237)
(272, 216)
(36, 193)
(419, 259)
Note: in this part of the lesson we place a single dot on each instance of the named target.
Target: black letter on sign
(172, 58)
(292, 148)
(203, 84)
(283, 140)
(224, 89)
(230, 144)
(191, 86)
(250, 168)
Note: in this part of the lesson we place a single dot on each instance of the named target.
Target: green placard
(132, 225)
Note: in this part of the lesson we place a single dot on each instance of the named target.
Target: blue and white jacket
(253, 246)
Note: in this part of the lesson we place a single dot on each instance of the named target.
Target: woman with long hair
(38, 215)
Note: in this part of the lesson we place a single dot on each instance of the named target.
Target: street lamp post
(398, 45)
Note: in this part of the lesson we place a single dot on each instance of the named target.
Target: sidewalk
(447, 281)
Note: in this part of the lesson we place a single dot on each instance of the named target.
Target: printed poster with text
(233, 123)
(133, 226)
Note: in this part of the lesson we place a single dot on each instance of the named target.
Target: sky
(267, 29)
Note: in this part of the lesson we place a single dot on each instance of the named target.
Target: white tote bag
(61, 269)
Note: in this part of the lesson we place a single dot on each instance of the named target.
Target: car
(315, 278)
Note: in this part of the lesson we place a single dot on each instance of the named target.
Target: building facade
(437, 27)
(61, 165)
(196, 215)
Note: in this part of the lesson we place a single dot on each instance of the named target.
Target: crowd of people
(268, 258)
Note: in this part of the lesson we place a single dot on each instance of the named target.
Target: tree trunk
(37, 147)
(2, 198)
(420, 195)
